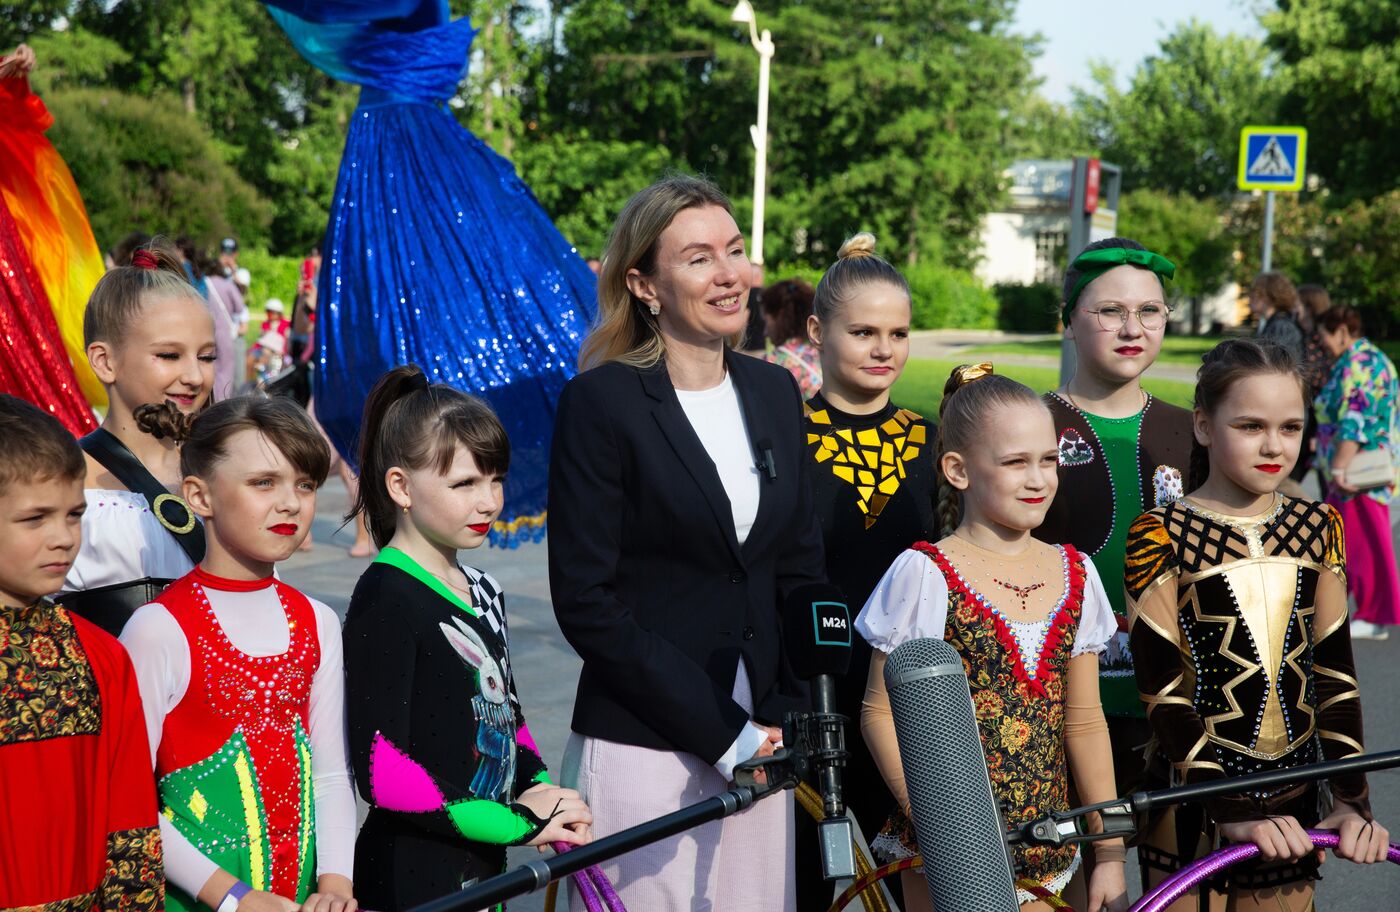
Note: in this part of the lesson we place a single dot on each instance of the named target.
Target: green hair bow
(1094, 263)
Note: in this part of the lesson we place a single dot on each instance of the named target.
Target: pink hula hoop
(1174, 887)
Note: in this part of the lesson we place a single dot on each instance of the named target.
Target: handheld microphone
(817, 637)
(956, 816)
(765, 462)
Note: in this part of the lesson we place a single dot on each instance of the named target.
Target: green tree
(227, 63)
(881, 113)
(24, 19)
(1343, 58)
(1188, 231)
(1351, 248)
(1176, 127)
(73, 57)
(144, 163)
(585, 182)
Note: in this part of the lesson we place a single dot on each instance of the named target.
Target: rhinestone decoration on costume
(1074, 449)
(46, 683)
(436, 252)
(871, 460)
(248, 803)
(1244, 618)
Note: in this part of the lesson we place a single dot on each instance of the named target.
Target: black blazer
(649, 582)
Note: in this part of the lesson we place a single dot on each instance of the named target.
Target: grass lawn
(1175, 349)
(921, 386)
(1185, 350)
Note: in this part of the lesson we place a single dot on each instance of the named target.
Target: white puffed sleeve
(910, 603)
(1097, 622)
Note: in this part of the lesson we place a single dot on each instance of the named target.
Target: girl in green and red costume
(242, 682)
(1121, 451)
(439, 744)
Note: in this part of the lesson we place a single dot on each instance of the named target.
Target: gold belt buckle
(164, 499)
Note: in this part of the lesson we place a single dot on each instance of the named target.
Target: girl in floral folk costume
(1238, 601)
(242, 681)
(1029, 620)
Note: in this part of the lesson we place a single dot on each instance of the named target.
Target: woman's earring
(405, 509)
(655, 309)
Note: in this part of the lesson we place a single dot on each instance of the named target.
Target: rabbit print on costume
(495, 730)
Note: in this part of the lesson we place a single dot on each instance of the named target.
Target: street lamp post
(743, 12)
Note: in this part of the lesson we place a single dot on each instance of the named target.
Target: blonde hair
(624, 329)
(969, 397)
(857, 265)
(121, 295)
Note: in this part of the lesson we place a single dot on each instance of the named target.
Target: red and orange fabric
(50, 220)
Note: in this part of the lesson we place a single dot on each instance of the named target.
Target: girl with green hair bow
(1121, 452)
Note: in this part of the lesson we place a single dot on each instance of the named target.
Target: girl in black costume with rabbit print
(438, 741)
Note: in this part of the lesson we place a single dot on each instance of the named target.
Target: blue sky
(1122, 33)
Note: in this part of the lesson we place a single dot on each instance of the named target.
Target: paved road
(547, 669)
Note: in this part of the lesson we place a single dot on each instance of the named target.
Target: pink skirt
(1372, 578)
(742, 863)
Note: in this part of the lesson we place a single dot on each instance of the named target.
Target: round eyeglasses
(1113, 317)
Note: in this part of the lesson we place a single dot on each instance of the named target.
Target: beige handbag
(1370, 469)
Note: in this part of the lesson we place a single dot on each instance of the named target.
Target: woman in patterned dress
(1029, 620)
(1357, 413)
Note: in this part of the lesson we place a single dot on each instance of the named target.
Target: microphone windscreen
(817, 630)
(956, 816)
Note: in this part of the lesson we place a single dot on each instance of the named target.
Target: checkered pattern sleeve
(490, 598)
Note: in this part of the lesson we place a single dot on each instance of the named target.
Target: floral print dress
(1359, 402)
(1017, 673)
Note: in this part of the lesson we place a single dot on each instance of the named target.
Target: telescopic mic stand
(817, 741)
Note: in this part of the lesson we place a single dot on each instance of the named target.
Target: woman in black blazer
(680, 514)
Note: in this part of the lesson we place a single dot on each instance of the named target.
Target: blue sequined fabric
(436, 253)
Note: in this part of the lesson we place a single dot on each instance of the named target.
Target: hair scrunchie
(144, 259)
(1094, 263)
(970, 372)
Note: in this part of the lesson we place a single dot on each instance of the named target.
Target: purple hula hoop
(1174, 887)
(593, 885)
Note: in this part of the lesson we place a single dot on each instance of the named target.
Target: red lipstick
(1270, 467)
(480, 528)
(1129, 351)
(1032, 500)
(283, 529)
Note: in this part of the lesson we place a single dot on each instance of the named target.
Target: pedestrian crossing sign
(1273, 158)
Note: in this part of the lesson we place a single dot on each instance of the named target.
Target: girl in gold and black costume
(1238, 608)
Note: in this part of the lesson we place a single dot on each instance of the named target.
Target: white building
(1026, 243)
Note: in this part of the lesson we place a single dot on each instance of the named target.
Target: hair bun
(856, 246)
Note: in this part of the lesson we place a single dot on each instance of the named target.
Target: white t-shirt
(719, 423)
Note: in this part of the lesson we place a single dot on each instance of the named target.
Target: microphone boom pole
(1117, 815)
(537, 873)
